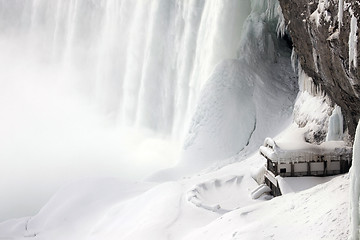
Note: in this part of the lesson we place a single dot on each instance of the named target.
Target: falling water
(142, 62)
(76, 74)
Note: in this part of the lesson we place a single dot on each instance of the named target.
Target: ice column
(335, 128)
(355, 188)
(353, 41)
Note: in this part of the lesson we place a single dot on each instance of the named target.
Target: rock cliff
(325, 38)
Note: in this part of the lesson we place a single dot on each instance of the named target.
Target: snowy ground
(109, 209)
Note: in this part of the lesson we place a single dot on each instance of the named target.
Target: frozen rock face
(324, 35)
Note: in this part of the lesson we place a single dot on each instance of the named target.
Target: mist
(51, 134)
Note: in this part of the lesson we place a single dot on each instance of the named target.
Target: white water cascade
(142, 62)
(115, 88)
(77, 74)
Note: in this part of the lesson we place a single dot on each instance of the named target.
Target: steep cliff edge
(324, 35)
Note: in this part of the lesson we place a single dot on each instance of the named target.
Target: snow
(298, 184)
(312, 112)
(290, 146)
(269, 153)
(355, 188)
(101, 209)
(74, 208)
(213, 133)
(321, 12)
(258, 174)
(308, 214)
(260, 190)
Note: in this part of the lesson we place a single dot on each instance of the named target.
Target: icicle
(340, 13)
(335, 128)
(306, 84)
(294, 59)
(280, 28)
(321, 11)
(355, 188)
(315, 60)
(353, 41)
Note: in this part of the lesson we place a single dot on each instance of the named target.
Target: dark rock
(323, 58)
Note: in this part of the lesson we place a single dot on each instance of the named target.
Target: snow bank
(291, 147)
(258, 174)
(298, 184)
(311, 113)
(222, 195)
(74, 210)
(317, 213)
(108, 209)
(260, 190)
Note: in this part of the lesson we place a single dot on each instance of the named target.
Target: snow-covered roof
(286, 152)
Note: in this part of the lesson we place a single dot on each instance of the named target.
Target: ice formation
(335, 127)
(340, 13)
(294, 59)
(321, 12)
(281, 26)
(353, 40)
(315, 59)
(355, 188)
(306, 84)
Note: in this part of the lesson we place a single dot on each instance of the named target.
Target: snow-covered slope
(97, 210)
(318, 213)
(242, 100)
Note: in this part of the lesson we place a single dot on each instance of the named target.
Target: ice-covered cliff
(325, 38)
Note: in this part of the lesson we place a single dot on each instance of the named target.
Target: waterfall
(93, 88)
(143, 63)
